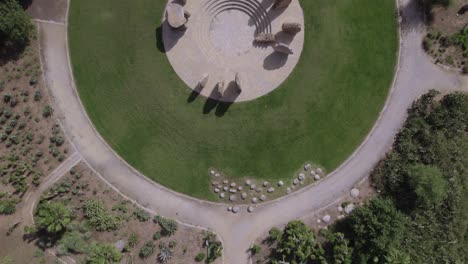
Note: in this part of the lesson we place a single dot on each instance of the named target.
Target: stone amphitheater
(216, 47)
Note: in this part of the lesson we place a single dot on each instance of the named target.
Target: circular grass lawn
(145, 112)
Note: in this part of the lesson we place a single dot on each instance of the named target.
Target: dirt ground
(25, 147)
(50, 10)
(89, 186)
(444, 23)
(446, 19)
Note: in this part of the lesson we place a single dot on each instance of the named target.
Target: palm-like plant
(53, 217)
(164, 255)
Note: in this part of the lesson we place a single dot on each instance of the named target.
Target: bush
(168, 226)
(47, 111)
(103, 253)
(141, 215)
(274, 234)
(7, 207)
(53, 217)
(15, 25)
(147, 250)
(99, 217)
(200, 257)
(255, 249)
(157, 236)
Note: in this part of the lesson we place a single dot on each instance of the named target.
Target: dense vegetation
(15, 26)
(139, 104)
(421, 214)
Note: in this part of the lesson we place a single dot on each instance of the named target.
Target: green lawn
(320, 114)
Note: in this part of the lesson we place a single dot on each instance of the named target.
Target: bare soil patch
(82, 185)
(444, 41)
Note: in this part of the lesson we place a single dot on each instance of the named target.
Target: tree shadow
(413, 16)
(275, 61)
(8, 54)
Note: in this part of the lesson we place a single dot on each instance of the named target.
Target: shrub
(15, 25)
(200, 257)
(7, 207)
(141, 215)
(147, 249)
(73, 243)
(164, 255)
(53, 217)
(274, 234)
(99, 217)
(168, 226)
(103, 253)
(255, 249)
(47, 111)
(133, 240)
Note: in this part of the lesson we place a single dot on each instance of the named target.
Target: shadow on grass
(214, 102)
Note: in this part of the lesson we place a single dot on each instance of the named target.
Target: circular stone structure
(218, 40)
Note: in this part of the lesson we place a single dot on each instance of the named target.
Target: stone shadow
(214, 102)
(195, 93)
(165, 44)
(285, 38)
(275, 61)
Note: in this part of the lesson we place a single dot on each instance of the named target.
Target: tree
(274, 235)
(428, 184)
(103, 254)
(374, 229)
(298, 244)
(53, 217)
(338, 249)
(15, 25)
(395, 256)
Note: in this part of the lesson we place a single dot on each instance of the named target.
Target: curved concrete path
(415, 75)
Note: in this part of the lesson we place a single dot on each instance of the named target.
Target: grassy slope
(321, 113)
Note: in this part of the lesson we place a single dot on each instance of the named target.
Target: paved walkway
(416, 74)
(27, 214)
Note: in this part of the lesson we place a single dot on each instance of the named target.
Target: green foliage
(200, 257)
(147, 249)
(103, 254)
(7, 260)
(99, 217)
(53, 217)
(337, 248)
(73, 243)
(141, 215)
(168, 226)
(47, 111)
(214, 248)
(428, 184)
(255, 249)
(15, 25)
(298, 244)
(133, 240)
(375, 228)
(395, 256)
(157, 236)
(7, 207)
(274, 234)
(425, 176)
